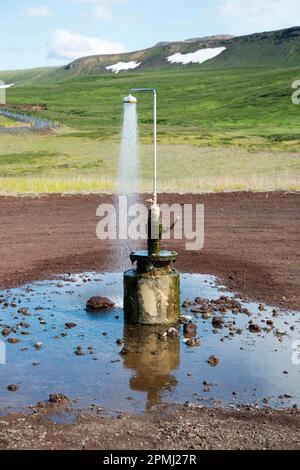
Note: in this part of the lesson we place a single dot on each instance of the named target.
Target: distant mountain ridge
(276, 48)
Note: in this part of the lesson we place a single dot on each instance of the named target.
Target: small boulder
(254, 328)
(12, 388)
(213, 361)
(79, 352)
(58, 399)
(192, 342)
(13, 340)
(70, 325)
(190, 328)
(95, 304)
(217, 322)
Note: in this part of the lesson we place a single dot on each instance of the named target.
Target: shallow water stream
(253, 368)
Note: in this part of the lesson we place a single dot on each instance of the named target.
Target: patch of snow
(197, 57)
(6, 86)
(116, 68)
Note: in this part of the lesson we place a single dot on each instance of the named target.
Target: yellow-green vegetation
(7, 123)
(64, 163)
(218, 130)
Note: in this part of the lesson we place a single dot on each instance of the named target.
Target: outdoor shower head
(130, 99)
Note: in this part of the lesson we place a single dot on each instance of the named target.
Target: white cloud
(37, 12)
(102, 12)
(259, 15)
(67, 45)
(100, 9)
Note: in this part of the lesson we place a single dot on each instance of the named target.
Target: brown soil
(177, 428)
(251, 241)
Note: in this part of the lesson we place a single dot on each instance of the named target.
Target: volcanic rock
(192, 342)
(190, 328)
(69, 326)
(213, 361)
(254, 328)
(13, 340)
(99, 303)
(12, 388)
(217, 322)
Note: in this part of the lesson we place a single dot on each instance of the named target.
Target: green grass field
(218, 131)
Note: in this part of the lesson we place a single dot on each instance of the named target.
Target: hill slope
(273, 49)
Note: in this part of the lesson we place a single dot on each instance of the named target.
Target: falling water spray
(152, 287)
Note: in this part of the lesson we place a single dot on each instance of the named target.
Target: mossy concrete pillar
(152, 290)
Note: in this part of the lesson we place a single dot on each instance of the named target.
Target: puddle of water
(251, 366)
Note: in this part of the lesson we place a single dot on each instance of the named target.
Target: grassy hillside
(28, 75)
(272, 49)
(249, 107)
(218, 130)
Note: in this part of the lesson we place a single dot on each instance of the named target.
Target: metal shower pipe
(153, 91)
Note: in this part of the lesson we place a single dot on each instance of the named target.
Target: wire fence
(30, 122)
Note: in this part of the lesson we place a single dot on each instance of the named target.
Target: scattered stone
(187, 303)
(119, 342)
(253, 328)
(13, 340)
(190, 328)
(173, 332)
(206, 315)
(5, 332)
(192, 342)
(213, 361)
(23, 310)
(280, 333)
(12, 388)
(58, 399)
(69, 326)
(218, 322)
(99, 303)
(185, 318)
(79, 351)
(38, 345)
(223, 309)
(261, 307)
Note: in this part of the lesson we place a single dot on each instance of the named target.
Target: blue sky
(54, 32)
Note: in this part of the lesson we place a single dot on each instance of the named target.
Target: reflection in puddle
(254, 368)
(152, 359)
